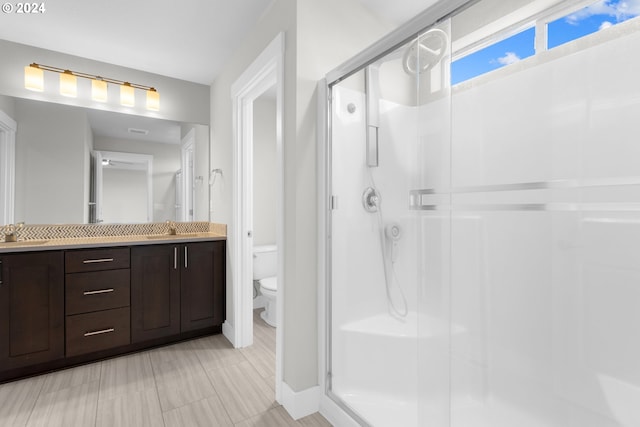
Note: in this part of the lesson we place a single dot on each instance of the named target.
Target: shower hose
(388, 263)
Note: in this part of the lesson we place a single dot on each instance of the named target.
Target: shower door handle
(249, 233)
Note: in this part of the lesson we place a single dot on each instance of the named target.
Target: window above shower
(507, 37)
(497, 55)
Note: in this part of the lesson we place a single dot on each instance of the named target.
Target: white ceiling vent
(138, 131)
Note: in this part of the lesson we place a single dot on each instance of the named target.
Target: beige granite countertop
(106, 241)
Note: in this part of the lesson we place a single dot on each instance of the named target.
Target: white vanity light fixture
(68, 84)
(153, 100)
(99, 90)
(34, 80)
(127, 95)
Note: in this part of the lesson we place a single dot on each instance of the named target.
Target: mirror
(56, 166)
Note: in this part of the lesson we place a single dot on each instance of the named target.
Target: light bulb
(127, 95)
(99, 90)
(33, 78)
(68, 84)
(153, 100)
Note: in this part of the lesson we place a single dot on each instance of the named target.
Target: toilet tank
(265, 261)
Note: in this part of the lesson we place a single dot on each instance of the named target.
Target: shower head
(425, 52)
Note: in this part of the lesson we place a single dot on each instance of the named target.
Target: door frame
(146, 160)
(265, 72)
(187, 159)
(8, 128)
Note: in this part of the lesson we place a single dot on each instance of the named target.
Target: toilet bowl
(269, 289)
(265, 268)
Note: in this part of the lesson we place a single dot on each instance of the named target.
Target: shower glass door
(389, 297)
(485, 234)
(545, 231)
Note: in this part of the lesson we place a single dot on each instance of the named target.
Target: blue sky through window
(595, 17)
(598, 16)
(495, 56)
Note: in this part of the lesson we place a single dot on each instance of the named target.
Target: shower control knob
(370, 199)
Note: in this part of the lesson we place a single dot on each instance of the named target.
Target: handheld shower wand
(393, 234)
(389, 238)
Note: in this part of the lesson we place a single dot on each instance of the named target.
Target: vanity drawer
(90, 332)
(96, 259)
(97, 290)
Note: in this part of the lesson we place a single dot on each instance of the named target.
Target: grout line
(95, 418)
(155, 387)
(35, 401)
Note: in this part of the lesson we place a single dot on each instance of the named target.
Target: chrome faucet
(12, 234)
(172, 227)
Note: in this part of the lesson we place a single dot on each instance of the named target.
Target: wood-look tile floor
(203, 382)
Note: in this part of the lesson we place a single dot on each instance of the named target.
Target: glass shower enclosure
(483, 239)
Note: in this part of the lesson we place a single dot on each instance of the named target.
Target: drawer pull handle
(101, 291)
(103, 331)
(175, 258)
(93, 261)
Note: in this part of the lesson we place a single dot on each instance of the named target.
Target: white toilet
(265, 270)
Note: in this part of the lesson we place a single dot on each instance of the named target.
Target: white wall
(318, 37)
(166, 161)
(51, 168)
(7, 105)
(264, 171)
(179, 100)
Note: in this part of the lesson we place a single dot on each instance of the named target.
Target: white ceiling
(397, 12)
(187, 39)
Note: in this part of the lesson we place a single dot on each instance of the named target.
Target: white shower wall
(357, 268)
(357, 265)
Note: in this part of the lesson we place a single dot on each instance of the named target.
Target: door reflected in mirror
(122, 187)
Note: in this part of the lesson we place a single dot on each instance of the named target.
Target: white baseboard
(302, 403)
(229, 332)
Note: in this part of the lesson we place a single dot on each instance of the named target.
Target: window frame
(539, 21)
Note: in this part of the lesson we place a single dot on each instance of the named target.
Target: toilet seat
(269, 283)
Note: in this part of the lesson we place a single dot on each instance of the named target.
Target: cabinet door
(155, 291)
(31, 308)
(203, 285)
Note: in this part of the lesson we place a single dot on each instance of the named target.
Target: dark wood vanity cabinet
(155, 292)
(202, 285)
(97, 300)
(59, 308)
(31, 308)
(176, 288)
